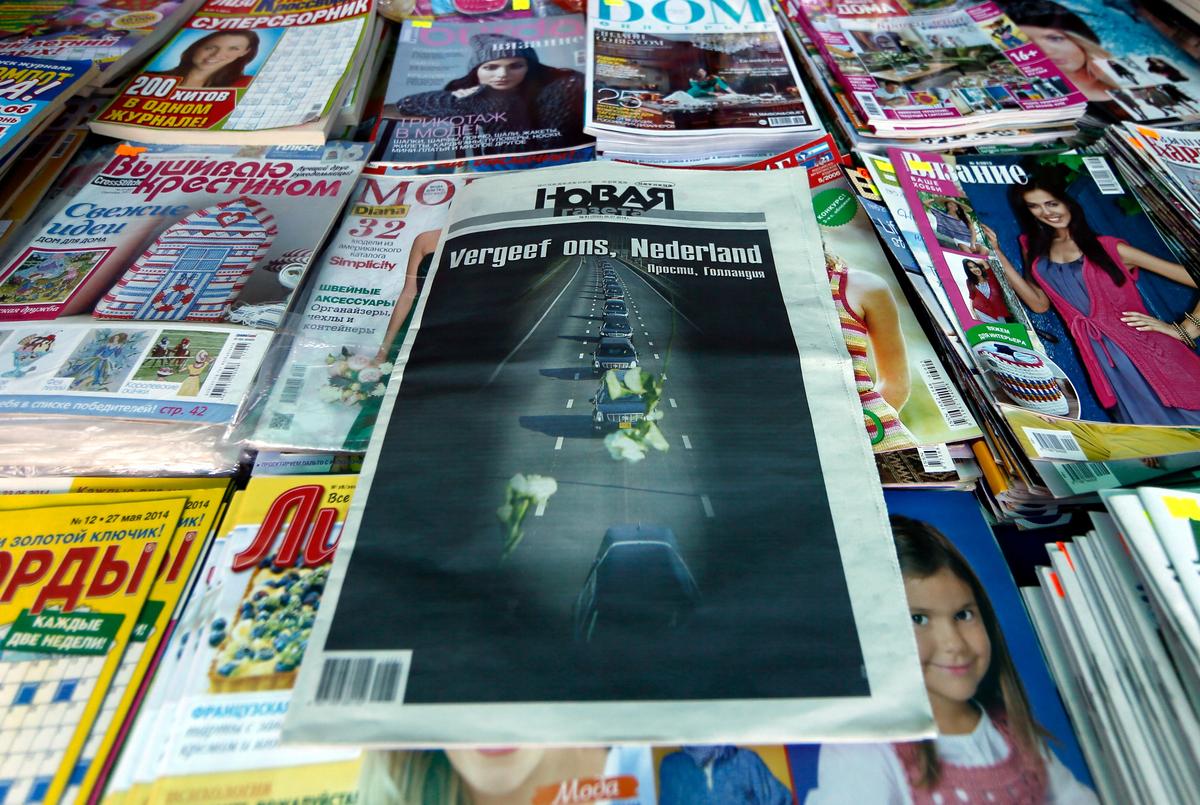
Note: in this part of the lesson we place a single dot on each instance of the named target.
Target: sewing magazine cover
(80, 575)
(961, 69)
(327, 392)
(1068, 299)
(113, 34)
(471, 89)
(580, 567)
(280, 534)
(264, 72)
(167, 233)
(716, 69)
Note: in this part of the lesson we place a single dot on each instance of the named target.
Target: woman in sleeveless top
(871, 327)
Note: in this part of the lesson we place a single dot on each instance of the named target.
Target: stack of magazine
(1118, 614)
(716, 85)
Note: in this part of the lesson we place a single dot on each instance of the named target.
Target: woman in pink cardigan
(1145, 371)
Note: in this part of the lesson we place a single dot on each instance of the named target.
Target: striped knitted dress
(883, 424)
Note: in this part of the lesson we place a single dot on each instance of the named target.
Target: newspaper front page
(642, 492)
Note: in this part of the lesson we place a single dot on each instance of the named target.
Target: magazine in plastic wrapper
(219, 741)
(963, 68)
(172, 234)
(80, 575)
(1080, 355)
(573, 357)
(326, 393)
(489, 89)
(1002, 725)
(294, 65)
(666, 78)
(111, 35)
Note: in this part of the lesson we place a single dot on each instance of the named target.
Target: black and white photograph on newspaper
(636, 525)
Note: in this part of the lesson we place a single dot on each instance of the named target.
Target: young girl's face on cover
(495, 771)
(952, 639)
(502, 74)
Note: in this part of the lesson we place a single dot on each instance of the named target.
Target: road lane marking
(558, 443)
(655, 356)
(589, 332)
(687, 443)
(645, 333)
(570, 403)
(581, 355)
(707, 504)
(650, 343)
(671, 400)
(508, 357)
(541, 509)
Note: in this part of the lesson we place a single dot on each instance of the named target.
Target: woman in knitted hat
(509, 90)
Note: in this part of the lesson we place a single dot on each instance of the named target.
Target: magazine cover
(463, 90)
(1003, 733)
(237, 72)
(1068, 299)
(716, 68)
(79, 577)
(527, 775)
(32, 89)
(191, 373)
(1176, 153)
(110, 33)
(593, 569)
(714, 774)
(921, 70)
(169, 234)
(1114, 56)
(1175, 514)
(280, 535)
(327, 392)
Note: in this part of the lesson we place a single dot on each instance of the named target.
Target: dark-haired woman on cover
(1144, 370)
(510, 90)
(986, 295)
(216, 60)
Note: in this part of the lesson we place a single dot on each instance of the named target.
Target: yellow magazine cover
(73, 579)
(279, 538)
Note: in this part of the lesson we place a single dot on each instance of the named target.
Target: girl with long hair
(984, 292)
(1144, 370)
(1067, 41)
(216, 60)
(989, 747)
(508, 88)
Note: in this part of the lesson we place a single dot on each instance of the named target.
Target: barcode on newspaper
(378, 678)
(1085, 476)
(230, 367)
(1055, 444)
(1102, 174)
(788, 120)
(293, 385)
(947, 399)
(936, 458)
(870, 106)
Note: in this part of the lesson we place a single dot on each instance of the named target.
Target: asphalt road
(499, 383)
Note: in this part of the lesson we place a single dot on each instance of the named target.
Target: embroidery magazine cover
(464, 90)
(267, 72)
(171, 234)
(908, 72)
(222, 737)
(113, 34)
(605, 534)
(327, 392)
(80, 575)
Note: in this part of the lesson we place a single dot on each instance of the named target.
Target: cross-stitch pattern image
(27, 351)
(182, 356)
(105, 359)
(48, 276)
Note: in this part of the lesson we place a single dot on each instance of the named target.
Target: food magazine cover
(264, 72)
(915, 71)
(717, 68)
(573, 353)
(466, 90)
(327, 392)
(167, 233)
(1067, 298)
(1003, 733)
(80, 575)
(223, 740)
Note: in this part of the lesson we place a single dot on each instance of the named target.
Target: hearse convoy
(614, 350)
